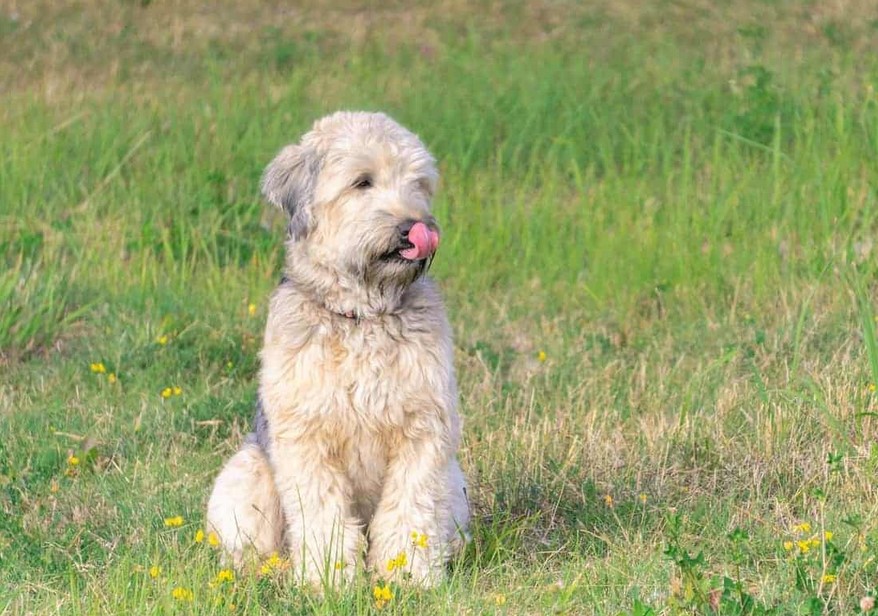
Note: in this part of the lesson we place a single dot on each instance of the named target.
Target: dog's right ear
(288, 182)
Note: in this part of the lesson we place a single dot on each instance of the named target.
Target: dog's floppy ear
(288, 182)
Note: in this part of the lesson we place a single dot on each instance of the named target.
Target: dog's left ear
(288, 182)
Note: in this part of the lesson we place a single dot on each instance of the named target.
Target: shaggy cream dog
(354, 447)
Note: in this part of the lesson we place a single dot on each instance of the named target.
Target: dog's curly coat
(357, 429)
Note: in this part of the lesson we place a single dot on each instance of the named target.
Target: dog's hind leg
(244, 509)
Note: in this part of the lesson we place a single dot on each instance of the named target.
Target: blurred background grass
(659, 259)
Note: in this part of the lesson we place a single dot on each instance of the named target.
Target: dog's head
(357, 189)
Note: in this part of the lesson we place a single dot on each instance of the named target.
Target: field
(659, 258)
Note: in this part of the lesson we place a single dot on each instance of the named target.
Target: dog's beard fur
(371, 280)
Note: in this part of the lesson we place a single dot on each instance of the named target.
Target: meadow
(660, 230)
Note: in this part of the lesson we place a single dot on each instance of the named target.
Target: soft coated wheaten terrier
(356, 432)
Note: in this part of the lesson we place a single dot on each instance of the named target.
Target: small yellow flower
(339, 565)
(642, 498)
(827, 536)
(73, 461)
(251, 310)
(804, 546)
(155, 571)
(225, 575)
(829, 578)
(98, 367)
(167, 392)
(111, 378)
(872, 388)
(182, 594)
(399, 562)
(608, 500)
(162, 340)
(213, 539)
(541, 356)
(815, 542)
(272, 563)
(199, 536)
(500, 599)
(174, 522)
(382, 595)
(788, 546)
(804, 527)
(177, 390)
(419, 539)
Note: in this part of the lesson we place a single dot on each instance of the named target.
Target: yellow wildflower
(815, 542)
(829, 578)
(72, 460)
(804, 546)
(175, 521)
(167, 392)
(155, 571)
(383, 595)
(251, 310)
(111, 378)
(419, 539)
(98, 367)
(804, 527)
(788, 545)
(162, 340)
(177, 390)
(182, 594)
(827, 536)
(199, 536)
(608, 500)
(872, 388)
(213, 539)
(273, 562)
(225, 575)
(399, 562)
(500, 599)
(642, 498)
(339, 565)
(541, 356)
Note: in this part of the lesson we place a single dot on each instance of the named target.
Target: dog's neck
(341, 295)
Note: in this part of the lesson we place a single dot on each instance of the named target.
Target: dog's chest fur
(358, 387)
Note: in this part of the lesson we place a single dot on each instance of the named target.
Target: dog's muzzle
(419, 240)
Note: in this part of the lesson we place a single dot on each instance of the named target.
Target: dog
(354, 448)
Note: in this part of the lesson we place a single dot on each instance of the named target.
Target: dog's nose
(405, 227)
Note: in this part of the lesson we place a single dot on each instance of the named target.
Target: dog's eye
(363, 182)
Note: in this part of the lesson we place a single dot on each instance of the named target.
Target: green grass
(676, 203)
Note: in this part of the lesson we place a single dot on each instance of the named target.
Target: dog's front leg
(408, 534)
(323, 537)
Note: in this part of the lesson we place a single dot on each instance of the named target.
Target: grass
(658, 257)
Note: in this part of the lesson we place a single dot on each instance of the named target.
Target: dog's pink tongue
(425, 242)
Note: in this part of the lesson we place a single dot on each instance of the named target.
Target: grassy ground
(659, 259)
